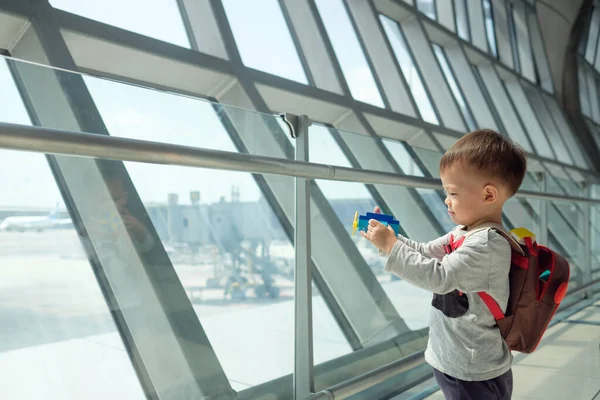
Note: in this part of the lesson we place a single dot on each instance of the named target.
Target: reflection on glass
(228, 247)
(462, 19)
(427, 7)
(489, 26)
(348, 51)
(58, 337)
(409, 70)
(160, 19)
(261, 21)
(441, 57)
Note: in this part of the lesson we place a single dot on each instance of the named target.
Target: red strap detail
(458, 243)
(520, 261)
(492, 305)
(448, 247)
(531, 246)
(560, 293)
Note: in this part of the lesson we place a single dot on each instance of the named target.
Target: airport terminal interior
(180, 178)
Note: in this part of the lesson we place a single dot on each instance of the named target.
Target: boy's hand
(383, 237)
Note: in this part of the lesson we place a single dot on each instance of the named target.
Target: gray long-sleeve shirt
(464, 341)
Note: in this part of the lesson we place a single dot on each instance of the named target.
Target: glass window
(401, 155)
(235, 275)
(489, 26)
(462, 19)
(592, 40)
(512, 31)
(349, 52)
(566, 132)
(159, 19)
(409, 70)
(456, 92)
(325, 150)
(431, 198)
(542, 70)
(58, 336)
(427, 7)
(348, 197)
(545, 118)
(530, 120)
(490, 80)
(263, 38)
(583, 90)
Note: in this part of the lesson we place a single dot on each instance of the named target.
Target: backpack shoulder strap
(515, 246)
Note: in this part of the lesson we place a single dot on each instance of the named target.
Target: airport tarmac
(51, 305)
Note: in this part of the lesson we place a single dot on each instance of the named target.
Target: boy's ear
(490, 193)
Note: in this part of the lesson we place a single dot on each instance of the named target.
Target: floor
(565, 366)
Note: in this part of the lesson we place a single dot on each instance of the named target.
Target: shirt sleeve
(433, 249)
(466, 269)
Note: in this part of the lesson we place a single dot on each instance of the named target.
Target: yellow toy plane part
(355, 224)
(522, 233)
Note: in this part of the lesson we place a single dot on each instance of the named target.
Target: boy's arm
(433, 249)
(466, 269)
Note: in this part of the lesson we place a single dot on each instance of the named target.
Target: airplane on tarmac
(35, 223)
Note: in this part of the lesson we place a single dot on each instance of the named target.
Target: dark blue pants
(499, 388)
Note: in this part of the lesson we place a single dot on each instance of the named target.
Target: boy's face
(470, 197)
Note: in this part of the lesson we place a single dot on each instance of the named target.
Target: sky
(151, 115)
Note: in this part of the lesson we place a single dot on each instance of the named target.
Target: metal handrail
(360, 383)
(62, 142)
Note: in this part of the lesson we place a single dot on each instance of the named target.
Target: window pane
(497, 93)
(235, 274)
(408, 165)
(462, 20)
(545, 118)
(489, 26)
(159, 19)
(396, 38)
(512, 31)
(592, 40)
(348, 51)
(427, 7)
(263, 38)
(530, 119)
(58, 339)
(346, 198)
(441, 56)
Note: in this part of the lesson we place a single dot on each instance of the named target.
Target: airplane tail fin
(55, 213)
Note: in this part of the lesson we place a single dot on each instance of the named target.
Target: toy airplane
(361, 222)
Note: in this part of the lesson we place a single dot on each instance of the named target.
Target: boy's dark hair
(491, 154)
